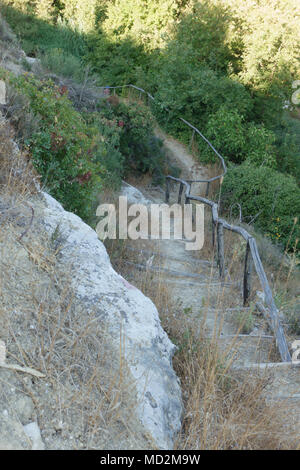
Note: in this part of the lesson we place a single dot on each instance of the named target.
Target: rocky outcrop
(148, 350)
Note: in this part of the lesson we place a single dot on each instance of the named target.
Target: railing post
(207, 189)
(221, 260)
(191, 141)
(214, 218)
(188, 201)
(213, 230)
(247, 275)
(167, 190)
(180, 193)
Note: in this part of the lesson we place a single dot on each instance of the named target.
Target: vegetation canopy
(225, 66)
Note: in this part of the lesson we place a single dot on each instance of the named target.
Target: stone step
(159, 270)
(245, 350)
(146, 254)
(291, 406)
(285, 377)
(282, 388)
(180, 264)
(188, 266)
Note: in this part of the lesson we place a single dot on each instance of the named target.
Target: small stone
(27, 381)
(33, 432)
(58, 426)
(24, 408)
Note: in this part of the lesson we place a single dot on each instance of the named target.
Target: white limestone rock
(33, 432)
(148, 348)
(12, 436)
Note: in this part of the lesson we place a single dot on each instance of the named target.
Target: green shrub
(115, 62)
(64, 64)
(288, 145)
(62, 145)
(238, 140)
(39, 35)
(107, 151)
(78, 154)
(193, 93)
(259, 149)
(141, 150)
(226, 130)
(270, 197)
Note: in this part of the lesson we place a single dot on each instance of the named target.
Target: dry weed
(87, 399)
(223, 410)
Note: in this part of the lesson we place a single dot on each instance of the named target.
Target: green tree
(45, 9)
(269, 32)
(270, 197)
(80, 15)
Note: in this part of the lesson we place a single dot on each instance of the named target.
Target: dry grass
(17, 176)
(86, 400)
(223, 410)
(86, 394)
(282, 270)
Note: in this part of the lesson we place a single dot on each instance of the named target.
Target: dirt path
(180, 156)
(195, 282)
(194, 285)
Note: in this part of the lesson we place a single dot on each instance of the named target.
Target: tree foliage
(269, 197)
(226, 66)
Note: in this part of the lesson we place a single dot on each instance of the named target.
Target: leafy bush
(269, 32)
(107, 152)
(238, 140)
(40, 35)
(77, 154)
(64, 64)
(288, 145)
(193, 93)
(270, 197)
(196, 58)
(142, 151)
(226, 130)
(260, 150)
(115, 62)
(62, 145)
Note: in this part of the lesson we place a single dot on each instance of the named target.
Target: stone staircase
(194, 284)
